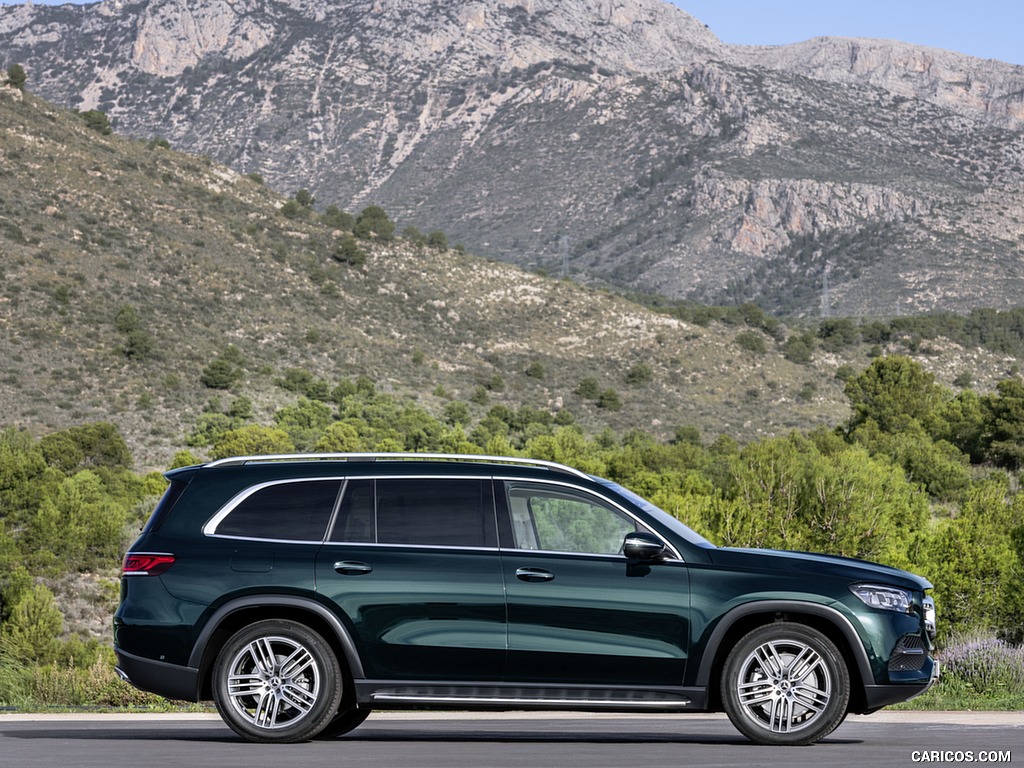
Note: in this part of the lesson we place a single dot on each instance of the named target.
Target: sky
(988, 29)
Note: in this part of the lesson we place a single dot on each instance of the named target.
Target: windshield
(658, 514)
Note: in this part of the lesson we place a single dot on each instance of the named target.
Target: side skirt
(385, 694)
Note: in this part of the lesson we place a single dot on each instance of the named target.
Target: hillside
(91, 224)
(619, 142)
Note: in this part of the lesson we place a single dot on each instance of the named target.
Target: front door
(579, 611)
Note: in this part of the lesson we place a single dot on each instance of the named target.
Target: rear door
(412, 566)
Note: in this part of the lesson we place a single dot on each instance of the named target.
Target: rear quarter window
(288, 511)
(163, 507)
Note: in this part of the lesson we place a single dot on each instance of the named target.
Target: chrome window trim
(609, 502)
(210, 528)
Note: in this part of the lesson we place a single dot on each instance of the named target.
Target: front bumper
(878, 696)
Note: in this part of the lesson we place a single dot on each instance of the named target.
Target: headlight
(886, 598)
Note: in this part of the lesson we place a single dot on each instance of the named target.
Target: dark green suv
(301, 592)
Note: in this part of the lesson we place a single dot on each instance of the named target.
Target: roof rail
(236, 461)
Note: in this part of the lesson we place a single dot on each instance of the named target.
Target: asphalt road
(514, 740)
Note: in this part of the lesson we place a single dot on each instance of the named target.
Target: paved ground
(457, 740)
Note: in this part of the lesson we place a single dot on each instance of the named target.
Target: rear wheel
(277, 681)
(785, 683)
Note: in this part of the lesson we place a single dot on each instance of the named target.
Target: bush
(610, 400)
(138, 345)
(349, 252)
(838, 333)
(97, 121)
(535, 370)
(975, 564)
(252, 441)
(588, 388)
(373, 224)
(16, 76)
(336, 218)
(639, 374)
(986, 663)
(751, 341)
(224, 371)
(799, 349)
(30, 635)
(437, 240)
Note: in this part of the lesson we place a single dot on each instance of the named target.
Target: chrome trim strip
(525, 701)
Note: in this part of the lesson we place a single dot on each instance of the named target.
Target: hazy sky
(989, 29)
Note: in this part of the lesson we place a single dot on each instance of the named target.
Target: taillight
(146, 563)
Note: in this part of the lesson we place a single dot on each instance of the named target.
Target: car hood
(813, 563)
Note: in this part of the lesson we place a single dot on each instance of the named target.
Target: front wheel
(785, 683)
(343, 722)
(277, 681)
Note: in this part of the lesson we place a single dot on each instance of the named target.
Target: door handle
(534, 574)
(352, 568)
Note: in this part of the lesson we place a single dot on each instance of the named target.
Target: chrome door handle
(352, 568)
(534, 574)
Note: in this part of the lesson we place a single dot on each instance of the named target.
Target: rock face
(621, 131)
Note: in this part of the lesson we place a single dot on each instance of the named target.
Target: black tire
(277, 681)
(343, 722)
(785, 684)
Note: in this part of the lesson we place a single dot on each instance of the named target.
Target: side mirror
(643, 546)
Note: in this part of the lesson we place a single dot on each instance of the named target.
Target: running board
(380, 694)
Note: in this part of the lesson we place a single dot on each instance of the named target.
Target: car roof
(433, 459)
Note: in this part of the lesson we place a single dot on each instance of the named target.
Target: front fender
(772, 607)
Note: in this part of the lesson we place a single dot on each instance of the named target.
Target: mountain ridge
(129, 268)
(617, 140)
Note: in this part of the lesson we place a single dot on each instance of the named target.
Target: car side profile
(302, 592)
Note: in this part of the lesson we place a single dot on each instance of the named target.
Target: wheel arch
(241, 612)
(742, 619)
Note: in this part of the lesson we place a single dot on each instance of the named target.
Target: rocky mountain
(617, 141)
(128, 269)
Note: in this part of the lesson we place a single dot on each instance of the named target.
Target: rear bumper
(168, 680)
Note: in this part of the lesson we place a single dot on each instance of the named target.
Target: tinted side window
(296, 511)
(432, 511)
(357, 519)
(171, 495)
(560, 520)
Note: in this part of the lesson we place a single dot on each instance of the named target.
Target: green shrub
(30, 634)
(97, 121)
(16, 76)
(252, 441)
(610, 400)
(751, 341)
(639, 374)
(588, 388)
